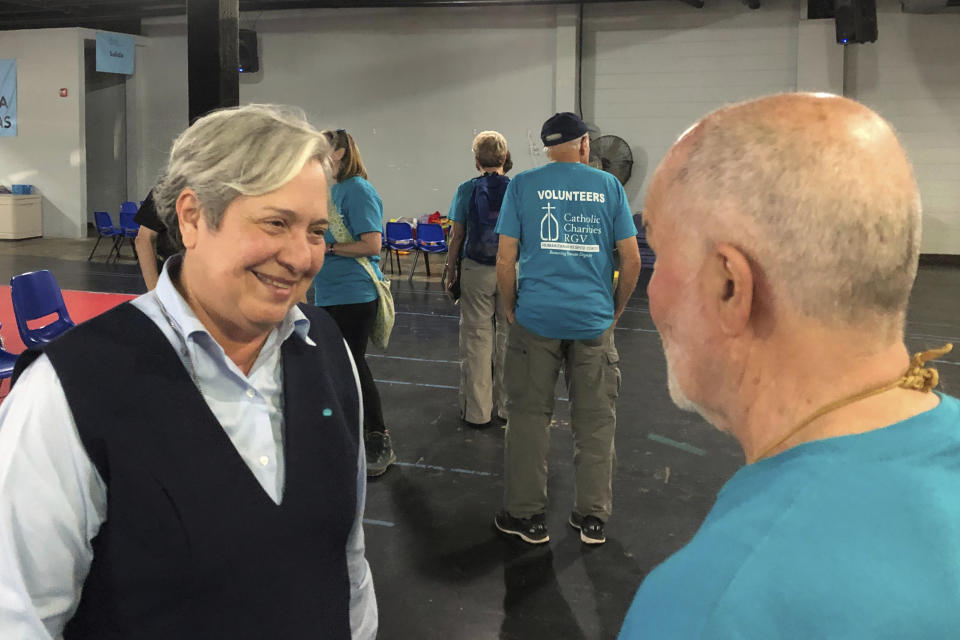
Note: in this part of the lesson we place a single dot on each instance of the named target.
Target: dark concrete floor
(440, 569)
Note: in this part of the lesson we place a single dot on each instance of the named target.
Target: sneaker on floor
(532, 529)
(478, 425)
(380, 453)
(590, 527)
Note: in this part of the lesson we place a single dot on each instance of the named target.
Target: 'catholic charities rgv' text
(577, 233)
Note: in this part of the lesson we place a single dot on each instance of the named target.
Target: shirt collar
(186, 323)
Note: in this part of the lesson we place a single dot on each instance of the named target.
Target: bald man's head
(815, 189)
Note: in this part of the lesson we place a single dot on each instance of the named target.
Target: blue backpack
(482, 241)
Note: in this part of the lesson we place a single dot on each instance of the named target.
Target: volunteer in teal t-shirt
(780, 295)
(862, 528)
(345, 289)
(568, 218)
(562, 223)
(473, 247)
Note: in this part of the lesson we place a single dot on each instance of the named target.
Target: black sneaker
(590, 527)
(380, 453)
(479, 425)
(532, 529)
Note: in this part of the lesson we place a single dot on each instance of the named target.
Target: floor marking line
(416, 384)
(429, 315)
(930, 336)
(434, 467)
(434, 386)
(683, 446)
(379, 523)
(641, 330)
(380, 355)
(956, 364)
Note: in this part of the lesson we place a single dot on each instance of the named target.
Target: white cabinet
(20, 217)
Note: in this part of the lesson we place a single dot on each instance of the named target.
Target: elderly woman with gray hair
(221, 494)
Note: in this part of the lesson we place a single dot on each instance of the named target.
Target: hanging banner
(8, 98)
(114, 53)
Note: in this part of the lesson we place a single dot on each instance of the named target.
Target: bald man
(787, 235)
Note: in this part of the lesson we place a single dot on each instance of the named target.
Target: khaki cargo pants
(592, 375)
(483, 342)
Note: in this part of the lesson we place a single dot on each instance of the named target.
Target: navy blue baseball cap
(562, 127)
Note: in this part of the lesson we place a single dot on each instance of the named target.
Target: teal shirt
(568, 218)
(460, 206)
(342, 280)
(849, 537)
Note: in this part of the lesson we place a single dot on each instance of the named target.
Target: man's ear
(189, 213)
(732, 283)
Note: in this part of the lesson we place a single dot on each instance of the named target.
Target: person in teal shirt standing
(473, 246)
(563, 220)
(346, 290)
(787, 233)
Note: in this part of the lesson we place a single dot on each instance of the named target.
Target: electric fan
(613, 155)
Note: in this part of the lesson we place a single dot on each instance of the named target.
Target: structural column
(212, 55)
(567, 79)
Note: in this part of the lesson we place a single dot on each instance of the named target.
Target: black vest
(192, 547)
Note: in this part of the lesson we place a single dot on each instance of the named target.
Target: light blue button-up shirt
(53, 500)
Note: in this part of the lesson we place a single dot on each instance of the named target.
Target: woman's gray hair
(241, 151)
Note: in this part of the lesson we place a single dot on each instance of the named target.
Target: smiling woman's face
(246, 275)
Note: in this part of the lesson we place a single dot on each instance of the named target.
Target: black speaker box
(856, 20)
(248, 55)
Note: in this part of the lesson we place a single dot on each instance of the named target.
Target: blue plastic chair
(7, 362)
(105, 229)
(430, 239)
(399, 237)
(36, 294)
(129, 207)
(128, 229)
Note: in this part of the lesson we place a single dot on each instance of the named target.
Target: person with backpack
(471, 266)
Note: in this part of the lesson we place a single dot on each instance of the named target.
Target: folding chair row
(399, 237)
(127, 230)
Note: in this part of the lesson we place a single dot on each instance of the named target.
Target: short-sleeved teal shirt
(460, 206)
(568, 218)
(854, 537)
(342, 280)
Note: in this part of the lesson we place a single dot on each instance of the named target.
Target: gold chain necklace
(917, 378)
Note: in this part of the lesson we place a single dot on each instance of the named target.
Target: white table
(20, 217)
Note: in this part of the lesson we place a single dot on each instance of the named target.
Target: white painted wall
(911, 76)
(48, 151)
(414, 84)
(651, 69)
(157, 108)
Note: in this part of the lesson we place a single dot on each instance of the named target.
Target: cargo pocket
(611, 374)
(515, 372)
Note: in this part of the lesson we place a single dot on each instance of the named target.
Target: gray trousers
(592, 374)
(483, 342)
